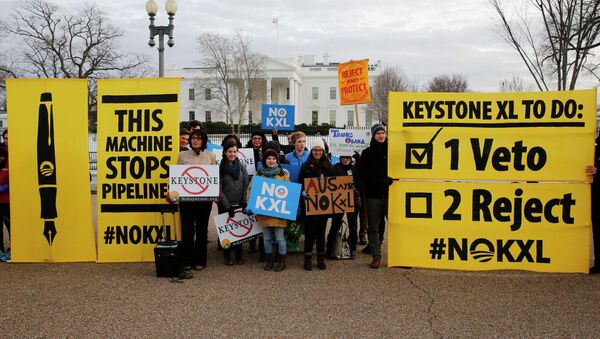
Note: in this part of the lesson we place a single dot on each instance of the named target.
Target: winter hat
(318, 143)
(376, 128)
(273, 145)
(269, 153)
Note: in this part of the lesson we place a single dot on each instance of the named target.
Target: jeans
(279, 237)
(376, 213)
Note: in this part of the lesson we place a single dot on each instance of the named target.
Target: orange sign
(353, 79)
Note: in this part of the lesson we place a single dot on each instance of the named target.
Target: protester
(257, 143)
(344, 168)
(233, 186)
(4, 199)
(195, 215)
(272, 227)
(374, 172)
(234, 138)
(194, 125)
(184, 139)
(316, 166)
(362, 213)
(276, 147)
(596, 208)
(300, 154)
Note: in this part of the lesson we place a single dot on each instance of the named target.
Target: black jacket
(372, 170)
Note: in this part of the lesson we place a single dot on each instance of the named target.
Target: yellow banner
(492, 136)
(138, 126)
(50, 196)
(353, 80)
(490, 226)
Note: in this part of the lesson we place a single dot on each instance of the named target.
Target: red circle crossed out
(202, 188)
(248, 229)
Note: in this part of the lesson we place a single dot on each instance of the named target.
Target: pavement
(346, 300)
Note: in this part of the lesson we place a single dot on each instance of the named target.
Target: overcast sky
(424, 37)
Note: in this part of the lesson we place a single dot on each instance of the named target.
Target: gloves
(304, 195)
(231, 212)
(387, 181)
(356, 156)
(3, 188)
(249, 212)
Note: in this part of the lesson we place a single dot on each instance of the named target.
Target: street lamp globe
(151, 7)
(171, 7)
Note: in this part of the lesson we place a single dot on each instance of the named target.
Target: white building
(312, 87)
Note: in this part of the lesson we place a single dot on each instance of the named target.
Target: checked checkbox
(420, 155)
(418, 205)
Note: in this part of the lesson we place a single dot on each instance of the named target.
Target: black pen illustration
(47, 166)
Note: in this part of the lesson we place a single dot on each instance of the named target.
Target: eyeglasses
(256, 138)
(195, 138)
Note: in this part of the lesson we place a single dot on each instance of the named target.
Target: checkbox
(418, 205)
(419, 156)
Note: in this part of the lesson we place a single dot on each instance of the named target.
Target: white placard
(246, 156)
(194, 182)
(236, 230)
(344, 142)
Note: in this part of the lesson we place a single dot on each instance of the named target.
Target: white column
(268, 90)
(292, 90)
(298, 101)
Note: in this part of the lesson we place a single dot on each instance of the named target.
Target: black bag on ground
(168, 254)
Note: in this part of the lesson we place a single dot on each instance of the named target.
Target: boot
(269, 264)
(280, 264)
(227, 257)
(308, 262)
(321, 261)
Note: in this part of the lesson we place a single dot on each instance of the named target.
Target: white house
(312, 87)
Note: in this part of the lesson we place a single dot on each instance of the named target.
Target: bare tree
(563, 48)
(447, 83)
(233, 72)
(391, 79)
(514, 84)
(56, 44)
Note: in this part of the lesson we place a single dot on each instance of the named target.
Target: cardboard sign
(280, 117)
(274, 198)
(239, 229)
(353, 80)
(194, 182)
(246, 156)
(344, 142)
(329, 195)
(293, 232)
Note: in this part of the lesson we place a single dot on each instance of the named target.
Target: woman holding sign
(195, 215)
(233, 186)
(272, 226)
(316, 166)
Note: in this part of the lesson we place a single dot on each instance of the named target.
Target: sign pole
(356, 115)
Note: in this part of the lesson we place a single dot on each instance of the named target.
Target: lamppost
(161, 31)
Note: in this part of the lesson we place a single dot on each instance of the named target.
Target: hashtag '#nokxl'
(109, 235)
(437, 248)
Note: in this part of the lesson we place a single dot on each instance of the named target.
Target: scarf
(231, 168)
(270, 172)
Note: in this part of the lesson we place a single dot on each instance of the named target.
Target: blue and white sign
(279, 117)
(344, 142)
(274, 198)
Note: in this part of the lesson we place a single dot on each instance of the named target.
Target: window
(287, 93)
(192, 116)
(332, 121)
(208, 116)
(249, 117)
(315, 118)
(191, 94)
(207, 94)
(350, 118)
(315, 93)
(332, 93)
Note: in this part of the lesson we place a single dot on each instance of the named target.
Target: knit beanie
(376, 128)
(318, 143)
(269, 153)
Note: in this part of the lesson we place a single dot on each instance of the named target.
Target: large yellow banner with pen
(50, 197)
(438, 140)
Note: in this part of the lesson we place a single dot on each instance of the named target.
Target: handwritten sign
(329, 195)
